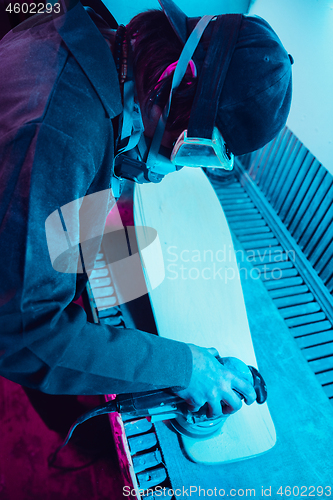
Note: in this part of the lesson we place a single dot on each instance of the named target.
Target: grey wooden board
(271, 267)
(326, 377)
(290, 312)
(283, 153)
(315, 339)
(267, 157)
(297, 182)
(236, 212)
(276, 253)
(254, 163)
(319, 351)
(328, 389)
(286, 169)
(292, 173)
(267, 179)
(329, 285)
(323, 235)
(139, 426)
(230, 192)
(301, 411)
(269, 258)
(289, 292)
(297, 202)
(321, 326)
(146, 461)
(255, 224)
(324, 205)
(233, 207)
(151, 478)
(240, 197)
(264, 243)
(256, 236)
(321, 365)
(325, 264)
(258, 161)
(231, 199)
(142, 442)
(264, 160)
(287, 282)
(279, 273)
(252, 230)
(317, 209)
(305, 209)
(303, 320)
(241, 218)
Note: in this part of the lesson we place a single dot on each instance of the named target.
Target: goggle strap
(127, 120)
(178, 75)
(220, 51)
(188, 51)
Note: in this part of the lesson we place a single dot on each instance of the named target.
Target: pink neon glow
(191, 68)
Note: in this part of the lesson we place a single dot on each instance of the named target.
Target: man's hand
(214, 384)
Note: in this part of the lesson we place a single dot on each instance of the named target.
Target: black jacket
(58, 95)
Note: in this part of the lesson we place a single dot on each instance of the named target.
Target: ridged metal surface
(301, 311)
(300, 190)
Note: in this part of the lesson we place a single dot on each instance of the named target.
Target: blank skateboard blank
(204, 306)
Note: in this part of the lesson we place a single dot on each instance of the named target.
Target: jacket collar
(92, 53)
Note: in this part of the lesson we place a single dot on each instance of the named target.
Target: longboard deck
(200, 300)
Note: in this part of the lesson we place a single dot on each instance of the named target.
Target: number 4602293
(305, 491)
(33, 8)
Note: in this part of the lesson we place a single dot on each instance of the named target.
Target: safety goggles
(200, 152)
(202, 144)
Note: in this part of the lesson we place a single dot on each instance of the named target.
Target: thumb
(214, 352)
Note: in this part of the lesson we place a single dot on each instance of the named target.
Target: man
(61, 119)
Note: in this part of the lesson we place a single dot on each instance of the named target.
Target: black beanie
(256, 96)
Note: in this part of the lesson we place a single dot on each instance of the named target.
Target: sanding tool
(165, 405)
(197, 425)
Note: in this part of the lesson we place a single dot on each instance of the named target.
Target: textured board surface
(200, 300)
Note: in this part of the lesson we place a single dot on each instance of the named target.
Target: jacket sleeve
(46, 341)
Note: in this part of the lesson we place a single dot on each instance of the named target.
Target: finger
(194, 405)
(214, 409)
(214, 352)
(246, 390)
(193, 408)
(232, 402)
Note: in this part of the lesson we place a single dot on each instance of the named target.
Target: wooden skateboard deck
(200, 300)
